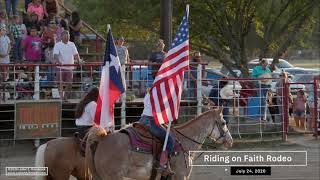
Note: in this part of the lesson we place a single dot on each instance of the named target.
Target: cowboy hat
(227, 92)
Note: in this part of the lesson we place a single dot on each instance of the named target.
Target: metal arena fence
(252, 108)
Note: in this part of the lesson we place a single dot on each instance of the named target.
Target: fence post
(36, 95)
(285, 119)
(199, 88)
(123, 100)
(315, 89)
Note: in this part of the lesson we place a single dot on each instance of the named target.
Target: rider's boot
(165, 165)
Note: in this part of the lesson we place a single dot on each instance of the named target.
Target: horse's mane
(188, 123)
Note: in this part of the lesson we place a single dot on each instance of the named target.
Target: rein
(199, 143)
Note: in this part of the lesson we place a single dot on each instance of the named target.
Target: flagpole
(163, 154)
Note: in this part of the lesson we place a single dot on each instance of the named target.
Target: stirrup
(165, 170)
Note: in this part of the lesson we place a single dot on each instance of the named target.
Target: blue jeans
(158, 131)
(262, 93)
(26, 3)
(17, 51)
(13, 4)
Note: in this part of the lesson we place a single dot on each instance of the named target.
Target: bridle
(222, 134)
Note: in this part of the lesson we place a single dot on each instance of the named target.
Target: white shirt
(88, 115)
(66, 53)
(4, 47)
(147, 110)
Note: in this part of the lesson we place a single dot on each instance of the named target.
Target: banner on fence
(41, 119)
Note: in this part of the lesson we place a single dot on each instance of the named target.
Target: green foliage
(227, 30)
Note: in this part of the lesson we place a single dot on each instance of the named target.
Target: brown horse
(114, 159)
(62, 157)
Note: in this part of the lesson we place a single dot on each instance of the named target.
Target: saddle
(143, 141)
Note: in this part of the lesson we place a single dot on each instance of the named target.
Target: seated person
(158, 131)
(85, 112)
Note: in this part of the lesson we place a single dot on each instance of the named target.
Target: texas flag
(111, 85)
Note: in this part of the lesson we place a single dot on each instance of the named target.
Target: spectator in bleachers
(62, 27)
(3, 18)
(4, 51)
(11, 4)
(32, 46)
(157, 57)
(33, 21)
(50, 7)
(262, 71)
(75, 26)
(49, 34)
(65, 52)
(122, 51)
(36, 7)
(15, 29)
(51, 17)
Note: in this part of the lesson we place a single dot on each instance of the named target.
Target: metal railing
(244, 110)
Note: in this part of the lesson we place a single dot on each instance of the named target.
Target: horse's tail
(39, 162)
(93, 137)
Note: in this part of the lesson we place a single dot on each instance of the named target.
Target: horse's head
(220, 132)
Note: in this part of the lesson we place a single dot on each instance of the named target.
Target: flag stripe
(183, 66)
(167, 86)
(175, 64)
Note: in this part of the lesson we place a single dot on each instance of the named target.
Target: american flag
(165, 93)
(111, 85)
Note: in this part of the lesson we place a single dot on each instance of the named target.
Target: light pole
(166, 22)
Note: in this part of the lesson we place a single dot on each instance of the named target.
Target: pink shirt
(38, 9)
(33, 48)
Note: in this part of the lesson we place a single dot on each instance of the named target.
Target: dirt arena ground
(23, 152)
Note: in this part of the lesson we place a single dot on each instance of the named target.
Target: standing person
(65, 52)
(263, 71)
(299, 109)
(157, 57)
(3, 18)
(219, 95)
(11, 4)
(49, 35)
(193, 73)
(158, 131)
(85, 112)
(50, 7)
(75, 26)
(122, 51)
(33, 21)
(36, 7)
(4, 51)
(32, 48)
(16, 34)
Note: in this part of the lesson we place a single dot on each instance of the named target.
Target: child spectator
(48, 53)
(50, 7)
(4, 51)
(16, 36)
(33, 21)
(36, 7)
(62, 27)
(32, 48)
(75, 27)
(49, 35)
(299, 109)
(3, 18)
